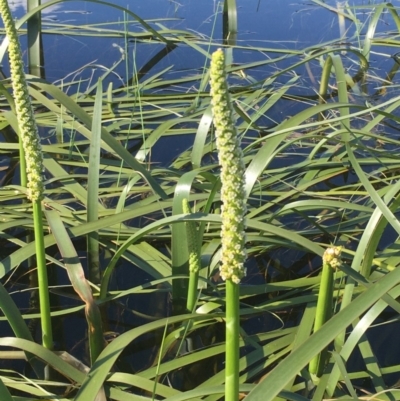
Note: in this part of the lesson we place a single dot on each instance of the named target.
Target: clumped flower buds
(191, 230)
(332, 258)
(27, 125)
(232, 174)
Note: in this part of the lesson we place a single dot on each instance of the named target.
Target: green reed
(32, 153)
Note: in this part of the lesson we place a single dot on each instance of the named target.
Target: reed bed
(132, 197)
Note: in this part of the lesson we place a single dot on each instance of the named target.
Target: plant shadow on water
(123, 110)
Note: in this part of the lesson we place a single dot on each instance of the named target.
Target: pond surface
(87, 40)
(277, 24)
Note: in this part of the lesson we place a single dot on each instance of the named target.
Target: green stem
(34, 36)
(330, 261)
(192, 291)
(323, 314)
(232, 342)
(44, 300)
(326, 74)
(229, 24)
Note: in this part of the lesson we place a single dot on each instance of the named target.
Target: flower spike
(27, 125)
(232, 174)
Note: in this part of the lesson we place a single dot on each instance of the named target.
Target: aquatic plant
(233, 209)
(320, 168)
(31, 152)
(330, 262)
(232, 174)
(194, 258)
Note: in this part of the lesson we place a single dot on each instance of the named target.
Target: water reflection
(18, 6)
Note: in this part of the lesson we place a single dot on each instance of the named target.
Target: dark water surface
(275, 24)
(267, 30)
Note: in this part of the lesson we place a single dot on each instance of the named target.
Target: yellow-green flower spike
(232, 174)
(191, 230)
(27, 125)
(332, 258)
(194, 258)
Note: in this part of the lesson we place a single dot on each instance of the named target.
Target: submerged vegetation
(133, 207)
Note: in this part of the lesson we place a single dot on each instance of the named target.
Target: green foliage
(321, 168)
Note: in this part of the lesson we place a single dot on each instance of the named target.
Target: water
(282, 31)
(277, 24)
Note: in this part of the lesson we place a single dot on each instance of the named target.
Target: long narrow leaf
(93, 187)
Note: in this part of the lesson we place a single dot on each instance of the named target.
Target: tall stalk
(232, 212)
(32, 151)
(330, 262)
(34, 36)
(229, 23)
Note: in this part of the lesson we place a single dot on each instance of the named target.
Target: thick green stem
(323, 314)
(34, 35)
(232, 342)
(192, 291)
(331, 261)
(44, 300)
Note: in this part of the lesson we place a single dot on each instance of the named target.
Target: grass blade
(79, 283)
(93, 188)
(4, 393)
